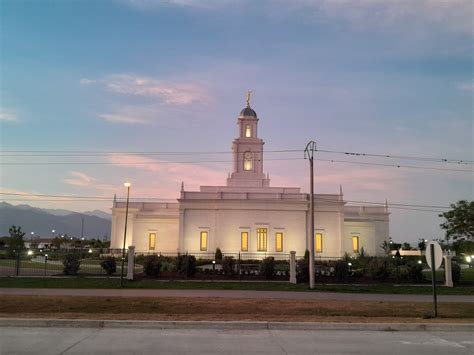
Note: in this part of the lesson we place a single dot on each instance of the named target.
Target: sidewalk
(233, 294)
(136, 324)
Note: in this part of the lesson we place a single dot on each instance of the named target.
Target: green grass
(111, 283)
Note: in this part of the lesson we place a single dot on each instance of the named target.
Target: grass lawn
(228, 309)
(108, 283)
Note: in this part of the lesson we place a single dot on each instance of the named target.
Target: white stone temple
(249, 216)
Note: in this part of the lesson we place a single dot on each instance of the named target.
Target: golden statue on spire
(248, 97)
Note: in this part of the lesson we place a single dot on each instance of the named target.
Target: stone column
(448, 271)
(131, 262)
(293, 267)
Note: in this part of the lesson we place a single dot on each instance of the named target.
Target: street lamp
(127, 185)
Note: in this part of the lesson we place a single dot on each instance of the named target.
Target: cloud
(468, 87)
(113, 118)
(176, 94)
(8, 117)
(86, 81)
(80, 179)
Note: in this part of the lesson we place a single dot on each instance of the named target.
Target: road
(236, 294)
(207, 341)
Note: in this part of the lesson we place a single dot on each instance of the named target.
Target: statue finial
(248, 97)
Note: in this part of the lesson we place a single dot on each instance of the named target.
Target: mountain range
(41, 221)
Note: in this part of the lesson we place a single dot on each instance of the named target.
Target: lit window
(279, 241)
(248, 131)
(248, 161)
(151, 241)
(244, 238)
(318, 246)
(203, 242)
(355, 244)
(261, 239)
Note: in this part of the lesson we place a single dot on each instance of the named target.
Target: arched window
(248, 131)
(248, 161)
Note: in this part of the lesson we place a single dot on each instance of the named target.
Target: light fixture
(127, 184)
(419, 261)
(30, 252)
(468, 259)
(350, 264)
(90, 250)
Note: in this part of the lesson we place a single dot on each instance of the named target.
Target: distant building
(249, 216)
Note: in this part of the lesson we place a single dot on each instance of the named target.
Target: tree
(16, 243)
(421, 244)
(406, 246)
(459, 222)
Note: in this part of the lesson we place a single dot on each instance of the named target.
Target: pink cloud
(79, 179)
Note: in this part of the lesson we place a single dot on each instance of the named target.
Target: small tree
(109, 264)
(459, 222)
(186, 264)
(218, 255)
(16, 244)
(341, 270)
(421, 244)
(228, 264)
(71, 263)
(406, 246)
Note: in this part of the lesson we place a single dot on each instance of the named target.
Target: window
(248, 161)
(261, 239)
(318, 245)
(279, 241)
(151, 241)
(203, 242)
(244, 241)
(355, 244)
(248, 131)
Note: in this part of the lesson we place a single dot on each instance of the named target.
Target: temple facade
(249, 216)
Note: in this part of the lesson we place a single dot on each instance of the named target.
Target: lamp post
(127, 185)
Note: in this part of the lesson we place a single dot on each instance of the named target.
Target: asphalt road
(206, 341)
(236, 294)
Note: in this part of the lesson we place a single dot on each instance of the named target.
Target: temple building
(249, 216)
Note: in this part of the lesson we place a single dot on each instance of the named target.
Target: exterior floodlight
(419, 261)
(30, 252)
(468, 259)
(213, 261)
(90, 250)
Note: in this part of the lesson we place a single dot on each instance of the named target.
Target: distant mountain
(43, 221)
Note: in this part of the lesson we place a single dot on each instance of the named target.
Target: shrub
(228, 264)
(218, 255)
(456, 273)
(186, 264)
(377, 269)
(306, 254)
(109, 265)
(267, 267)
(71, 263)
(341, 270)
(415, 273)
(302, 270)
(152, 265)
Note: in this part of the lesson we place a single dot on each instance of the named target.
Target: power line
(104, 198)
(35, 153)
(229, 161)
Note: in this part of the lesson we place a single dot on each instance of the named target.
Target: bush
(456, 273)
(109, 265)
(186, 264)
(415, 273)
(228, 264)
(218, 255)
(267, 267)
(71, 263)
(377, 269)
(152, 265)
(341, 270)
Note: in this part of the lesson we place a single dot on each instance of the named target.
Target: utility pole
(308, 154)
(82, 229)
(127, 185)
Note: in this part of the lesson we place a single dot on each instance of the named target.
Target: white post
(131, 262)
(293, 267)
(448, 271)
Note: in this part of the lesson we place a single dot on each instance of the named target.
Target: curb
(218, 325)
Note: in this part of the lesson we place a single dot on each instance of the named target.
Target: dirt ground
(229, 309)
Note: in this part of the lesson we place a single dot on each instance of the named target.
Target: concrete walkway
(235, 294)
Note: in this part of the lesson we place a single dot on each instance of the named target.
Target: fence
(50, 263)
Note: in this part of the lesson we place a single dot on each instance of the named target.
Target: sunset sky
(383, 77)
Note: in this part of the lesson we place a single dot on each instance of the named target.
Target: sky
(373, 76)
